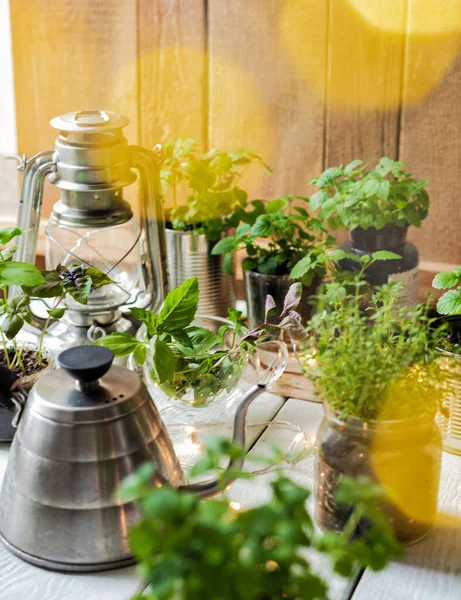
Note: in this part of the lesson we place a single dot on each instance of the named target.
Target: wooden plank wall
(307, 83)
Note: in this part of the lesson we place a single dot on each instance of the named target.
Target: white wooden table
(431, 570)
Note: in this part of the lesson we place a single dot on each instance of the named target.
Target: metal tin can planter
(258, 286)
(189, 255)
(391, 238)
(14, 394)
(404, 457)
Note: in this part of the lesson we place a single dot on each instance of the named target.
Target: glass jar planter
(403, 456)
(10, 409)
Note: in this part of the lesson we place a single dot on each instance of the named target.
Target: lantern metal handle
(30, 203)
(145, 161)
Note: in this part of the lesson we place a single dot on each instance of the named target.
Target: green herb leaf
(317, 199)
(385, 255)
(301, 268)
(164, 362)
(337, 254)
(121, 344)
(450, 303)
(56, 313)
(19, 273)
(180, 306)
(277, 205)
(8, 233)
(79, 288)
(228, 265)
(227, 244)
(445, 280)
(98, 278)
(352, 166)
(52, 287)
(12, 325)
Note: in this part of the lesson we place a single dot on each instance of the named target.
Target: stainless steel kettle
(87, 426)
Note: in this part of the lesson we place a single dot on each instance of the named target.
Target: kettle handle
(215, 486)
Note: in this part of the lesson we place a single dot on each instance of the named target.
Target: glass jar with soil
(16, 381)
(403, 456)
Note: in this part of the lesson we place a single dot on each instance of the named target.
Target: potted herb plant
(283, 244)
(206, 201)
(377, 371)
(193, 358)
(376, 206)
(189, 549)
(449, 305)
(23, 363)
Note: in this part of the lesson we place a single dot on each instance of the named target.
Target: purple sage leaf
(292, 298)
(270, 305)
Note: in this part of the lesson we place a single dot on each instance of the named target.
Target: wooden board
(431, 120)
(258, 95)
(364, 84)
(172, 78)
(71, 56)
(431, 569)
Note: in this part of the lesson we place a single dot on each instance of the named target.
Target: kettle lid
(87, 387)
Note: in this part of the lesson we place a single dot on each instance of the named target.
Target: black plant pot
(391, 238)
(258, 286)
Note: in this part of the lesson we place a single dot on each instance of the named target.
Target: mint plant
(75, 280)
(187, 359)
(355, 196)
(450, 302)
(373, 358)
(190, 549)
(279, 239)
(213, 198)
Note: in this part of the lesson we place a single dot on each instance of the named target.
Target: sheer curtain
(9, 180)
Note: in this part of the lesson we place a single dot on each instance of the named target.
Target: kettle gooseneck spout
(215, 486)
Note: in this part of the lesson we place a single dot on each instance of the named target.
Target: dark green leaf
(12, 325)
(19, 273)
(180, 306)
(52, 287)
(79, 288)
(56, 313)
(164, 362)
(98, 278)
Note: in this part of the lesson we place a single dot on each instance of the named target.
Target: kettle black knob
(86, 363)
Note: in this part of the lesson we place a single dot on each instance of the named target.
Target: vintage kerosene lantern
(93, 225)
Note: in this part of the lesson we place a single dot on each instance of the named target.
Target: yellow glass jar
(403, 456)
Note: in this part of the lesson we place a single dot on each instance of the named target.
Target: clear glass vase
(403, 456)
(264, 363)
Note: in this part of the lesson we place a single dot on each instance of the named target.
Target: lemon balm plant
(376, 205)
(375, 365)
(207, 202)
(189, 549)
(283, 243)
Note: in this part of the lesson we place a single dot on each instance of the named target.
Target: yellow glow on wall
(381, 53)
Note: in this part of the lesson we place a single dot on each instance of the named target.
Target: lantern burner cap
(89, 121)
